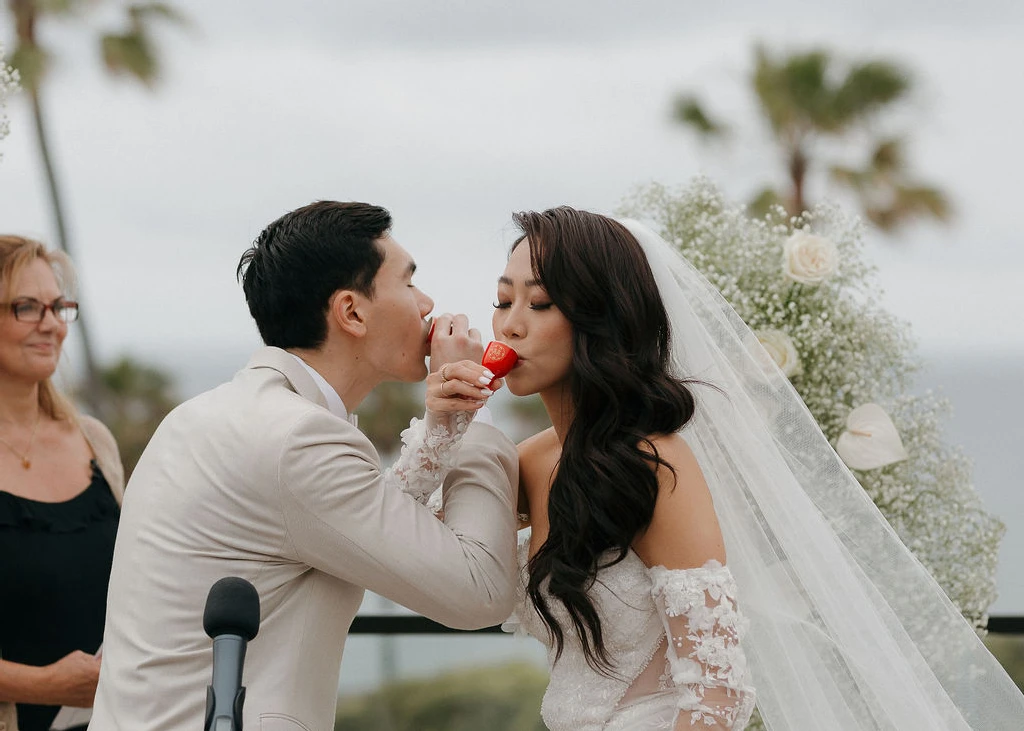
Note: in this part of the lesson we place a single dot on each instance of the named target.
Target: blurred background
(173, 133)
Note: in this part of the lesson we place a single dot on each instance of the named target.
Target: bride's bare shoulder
(684, 530)
(540, 446)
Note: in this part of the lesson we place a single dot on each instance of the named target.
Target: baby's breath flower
(850, 352)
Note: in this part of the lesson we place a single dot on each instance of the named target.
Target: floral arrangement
(804, 287)
(8, 85)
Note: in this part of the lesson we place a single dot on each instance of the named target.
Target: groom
(265, 478)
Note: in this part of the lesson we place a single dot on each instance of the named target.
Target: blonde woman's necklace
(25, 461)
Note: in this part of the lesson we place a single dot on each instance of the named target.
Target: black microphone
(231, 618)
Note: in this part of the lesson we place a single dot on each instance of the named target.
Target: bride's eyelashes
(539, 306)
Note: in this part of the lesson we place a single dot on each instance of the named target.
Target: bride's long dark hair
(621, 392)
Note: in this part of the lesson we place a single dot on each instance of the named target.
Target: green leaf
(762, 203)
(32, 62)
(888, 157)
(130, 54)
(141, 13)
(688, 111)
(867, 88)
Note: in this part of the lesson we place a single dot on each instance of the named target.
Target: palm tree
(806, 97)
(130, 52)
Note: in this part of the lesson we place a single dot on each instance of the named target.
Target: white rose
(782, 350)
(809, 259)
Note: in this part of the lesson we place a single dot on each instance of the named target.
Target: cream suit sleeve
(343, 520)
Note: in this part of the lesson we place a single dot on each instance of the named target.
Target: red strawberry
(499, 359)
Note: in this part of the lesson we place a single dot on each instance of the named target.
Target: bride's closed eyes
(499, 305)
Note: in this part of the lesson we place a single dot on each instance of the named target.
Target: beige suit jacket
(104, 449)
(258, 479)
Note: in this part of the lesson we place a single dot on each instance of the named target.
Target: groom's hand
(457, 381)
(454, 340)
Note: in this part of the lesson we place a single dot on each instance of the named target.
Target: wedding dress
(822, 609)
(674, 638)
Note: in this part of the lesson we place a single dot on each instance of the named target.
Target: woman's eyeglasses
(29, 309)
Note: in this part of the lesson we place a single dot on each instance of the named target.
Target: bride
(694, 536)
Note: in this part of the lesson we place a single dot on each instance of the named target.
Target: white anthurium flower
(782, 350)
(870, 440)
(808, 258)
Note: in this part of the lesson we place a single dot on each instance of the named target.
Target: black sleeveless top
(54, 569)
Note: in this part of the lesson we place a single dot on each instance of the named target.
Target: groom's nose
(426, 304)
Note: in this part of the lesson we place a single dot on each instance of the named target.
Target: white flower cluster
(805, 289)
(8, 85)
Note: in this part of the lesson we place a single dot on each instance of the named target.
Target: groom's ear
(346, 311)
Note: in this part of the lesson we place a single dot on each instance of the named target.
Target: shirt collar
(334, 403)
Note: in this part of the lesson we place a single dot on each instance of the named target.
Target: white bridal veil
(848, 629)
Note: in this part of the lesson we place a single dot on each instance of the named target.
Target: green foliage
(132, 52)
(501, 698)
(386, 412)
(129, 52)
(688, 110)
(31, 63)
(1009, 651)
(812, 96)
(136, 398)
(530, 415)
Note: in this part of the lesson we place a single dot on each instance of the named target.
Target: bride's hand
(461, 386)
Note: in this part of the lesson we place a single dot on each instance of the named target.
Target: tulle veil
(848, 629)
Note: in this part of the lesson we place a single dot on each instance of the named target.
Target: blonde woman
(61, 482)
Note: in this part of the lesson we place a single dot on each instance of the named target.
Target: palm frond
(868, 87)
(130, 53)
(889, 157)
(144, 12)
(688, 110)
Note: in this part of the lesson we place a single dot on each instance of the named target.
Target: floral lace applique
(704, 628)
(429, 447)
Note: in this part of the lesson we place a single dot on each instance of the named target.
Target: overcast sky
(455, 114)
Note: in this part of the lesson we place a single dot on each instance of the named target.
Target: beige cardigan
(104, 448)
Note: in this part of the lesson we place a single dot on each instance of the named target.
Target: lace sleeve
(706, 666)
(429, 447)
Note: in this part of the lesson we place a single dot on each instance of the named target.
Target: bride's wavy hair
(621, 392)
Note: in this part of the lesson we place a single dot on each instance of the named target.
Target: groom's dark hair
(301, 259)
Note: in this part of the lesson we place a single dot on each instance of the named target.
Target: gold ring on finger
(444, 373)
